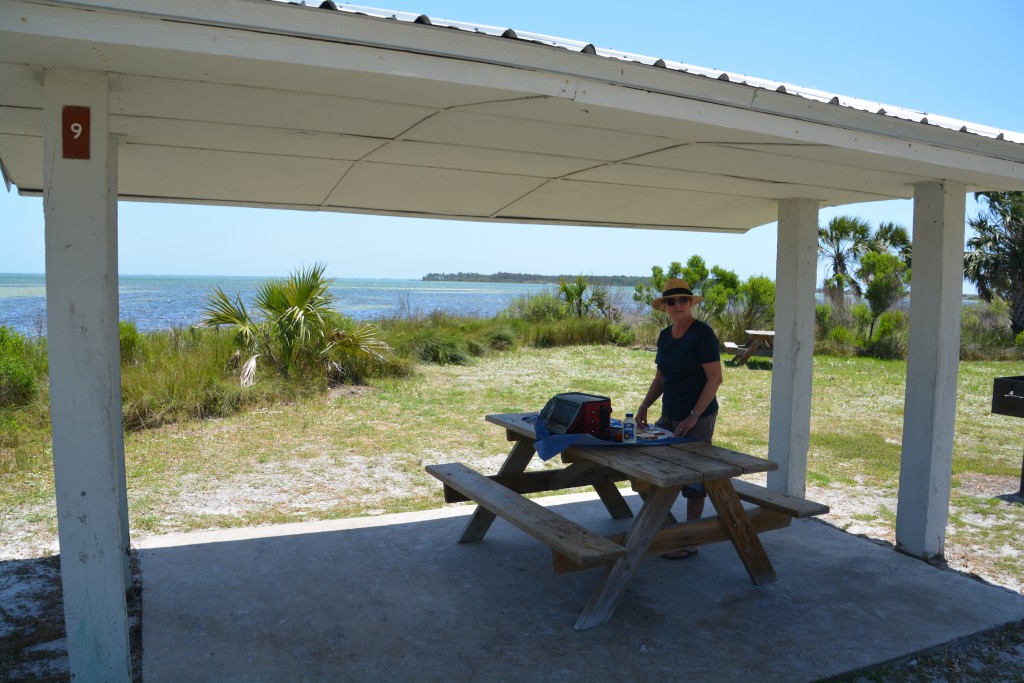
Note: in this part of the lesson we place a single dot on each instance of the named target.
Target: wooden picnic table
(757, 343)
(658, 472)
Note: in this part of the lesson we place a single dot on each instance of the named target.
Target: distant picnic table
(757, 343)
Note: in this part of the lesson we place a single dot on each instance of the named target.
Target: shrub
(890, 323)
(822, 319)
(537, 308)
(838, 341)
(18, 385)
(985, 331)
(893, 347)
(17, 382)
(502, 339)
(446, 350)
(862, 318)
(890, 336)
(131, 342)
(574, 331)
(183, 376)
(622, 335)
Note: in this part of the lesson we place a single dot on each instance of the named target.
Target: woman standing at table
(689, 372)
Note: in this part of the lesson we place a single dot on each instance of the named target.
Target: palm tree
(841, 245)
(295, 326)
(994, 260)
(894, 239)
(572, 293)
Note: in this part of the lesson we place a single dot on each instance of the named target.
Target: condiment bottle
(629, 429)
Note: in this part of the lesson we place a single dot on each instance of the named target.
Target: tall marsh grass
(183, 374)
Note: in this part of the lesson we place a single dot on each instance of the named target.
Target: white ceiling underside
(246, 102)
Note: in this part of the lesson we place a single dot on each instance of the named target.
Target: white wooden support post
(929, 412)
(80, 205)
(796, 271)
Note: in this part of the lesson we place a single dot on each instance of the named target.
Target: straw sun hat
(677, 288)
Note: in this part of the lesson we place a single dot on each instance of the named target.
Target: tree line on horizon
(535, 279)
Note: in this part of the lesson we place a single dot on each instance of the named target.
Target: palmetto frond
(361, 341)
(222, 310)
(893, 238)
(248, 375)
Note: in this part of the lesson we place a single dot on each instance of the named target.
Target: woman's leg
(703, 431)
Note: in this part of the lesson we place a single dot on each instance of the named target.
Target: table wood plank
(562, 534)
(708, 465)
(698, 532)
(747, 464)
(794, 506)
(659, 471)
(537, 481)
(513, 422)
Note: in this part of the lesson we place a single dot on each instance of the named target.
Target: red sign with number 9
(75, 131)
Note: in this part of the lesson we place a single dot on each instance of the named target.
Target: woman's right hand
(641, 416)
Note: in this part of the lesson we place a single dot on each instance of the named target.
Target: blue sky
(938, 56)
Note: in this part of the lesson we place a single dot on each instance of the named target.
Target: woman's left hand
(686, 425)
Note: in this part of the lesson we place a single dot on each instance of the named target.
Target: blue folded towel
(549, 445)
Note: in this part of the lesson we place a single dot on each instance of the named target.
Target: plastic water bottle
(629, 429)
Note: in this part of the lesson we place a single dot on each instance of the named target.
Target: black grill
(1008, 399)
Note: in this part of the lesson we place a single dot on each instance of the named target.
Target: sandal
(684, 554)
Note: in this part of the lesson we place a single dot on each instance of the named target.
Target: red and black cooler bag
(577, 413)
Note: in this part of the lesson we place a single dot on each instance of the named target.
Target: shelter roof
(354, 109)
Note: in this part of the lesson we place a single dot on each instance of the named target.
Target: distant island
(532, 279)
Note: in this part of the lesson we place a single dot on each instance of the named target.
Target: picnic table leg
(613, 501)
(734, 520)
(607, 491)
(642, 489)
(638, 539)
(752, 348)
(518, 458)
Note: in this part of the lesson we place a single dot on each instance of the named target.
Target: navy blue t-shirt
(681, 364)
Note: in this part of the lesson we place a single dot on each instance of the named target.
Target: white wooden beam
(80, 205)
(929, 412)
(793, 358)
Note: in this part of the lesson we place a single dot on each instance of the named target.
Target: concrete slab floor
(396, 598)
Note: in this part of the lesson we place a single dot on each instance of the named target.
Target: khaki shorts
(703, 431)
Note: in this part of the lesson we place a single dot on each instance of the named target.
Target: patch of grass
(396, 426)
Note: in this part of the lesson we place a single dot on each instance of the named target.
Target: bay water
(159, 302)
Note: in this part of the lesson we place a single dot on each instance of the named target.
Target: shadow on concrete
(396, 598)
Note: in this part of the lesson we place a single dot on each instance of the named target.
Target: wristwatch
(694, 413)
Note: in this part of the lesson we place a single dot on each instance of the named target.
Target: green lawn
(361, 450)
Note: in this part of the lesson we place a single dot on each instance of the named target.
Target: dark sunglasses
(672, 301)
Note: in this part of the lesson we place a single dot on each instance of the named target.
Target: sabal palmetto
(574, 295)
(294, 324)
(580, 303)
(894, 239)
(841, 244)
(994, 260)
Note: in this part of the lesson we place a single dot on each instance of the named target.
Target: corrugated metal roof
(878, 108)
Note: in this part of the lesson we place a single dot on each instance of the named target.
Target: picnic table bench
(757, 343)
(660, 470)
